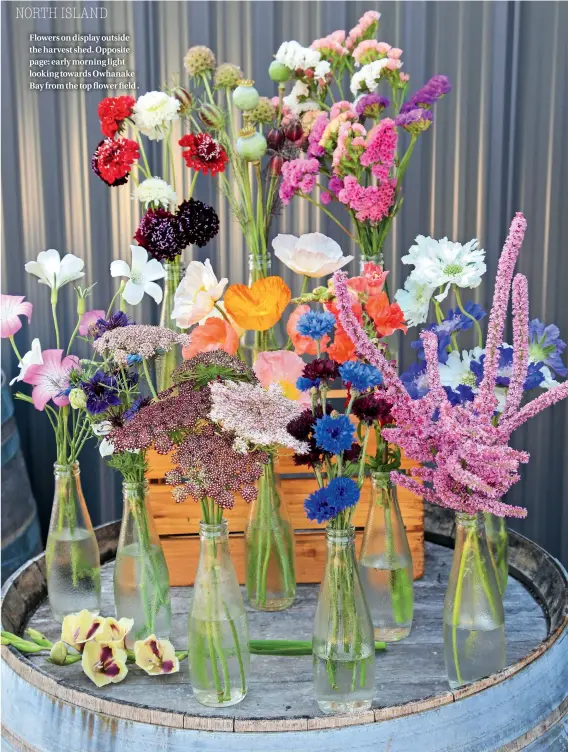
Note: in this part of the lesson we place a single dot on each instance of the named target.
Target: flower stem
(15, 349)
(469, 316)
(148, 379)
(329, 214)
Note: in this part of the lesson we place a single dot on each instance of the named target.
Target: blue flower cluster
(360, 376)
(326, 503)
(334, 434)
(456, 321)
(315, 324)
(534, 378)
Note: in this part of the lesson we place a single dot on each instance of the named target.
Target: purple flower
(456, 321)
(161, 234)
(114, 321)
(429, 94)
(415, 380)
(371, 106)
(545, 346)
(101, 391)
(199, 222)
(415, 121)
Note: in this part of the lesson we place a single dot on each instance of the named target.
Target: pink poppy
(11, 307)
(282, 367)
(88, 319)
(50, 379)
(303, 345)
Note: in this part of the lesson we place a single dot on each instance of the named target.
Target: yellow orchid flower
(104, 663)
(156, 656)
(113, 631)
(77, 629)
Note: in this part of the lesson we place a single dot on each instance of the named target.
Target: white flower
(152, 113)
(442, 262)
(141, 277)
(197, 294)
(548, 381)
(414, 300)
(55, 271)
(314, 254)
(369, 76)
(297, 101)
(457, 369)
(294, 56)
(322, 69)
(33, 357)
(155, 191)
(103, 428)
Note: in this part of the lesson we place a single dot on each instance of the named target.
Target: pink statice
(331, 46)
(298, 175)
(470, 463)
(314, 147)
(370, 50)
(372, 202)
(350, 145)
(381, 149)
(343, 106)
(395, 53)
(364, 29)
(335, 185)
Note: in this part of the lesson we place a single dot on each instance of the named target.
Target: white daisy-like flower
(369, 76)
(457, 369)
(442, 263)
(153, 112)
(414, 300)
(156, 192)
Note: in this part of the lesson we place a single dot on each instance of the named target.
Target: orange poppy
(342, 348)
(214, 334)
(387, 317)
(259, 306)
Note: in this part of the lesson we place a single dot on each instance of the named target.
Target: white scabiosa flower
(153, 112)
(414, 300)
(367, 79)
(456, 371)
(155, 192)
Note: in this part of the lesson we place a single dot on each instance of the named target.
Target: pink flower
(371, 202)
(325, 198)
(88, 319)
(282, 367)
(393, 64)
(404, 77)
(337, 108)
(366, 26)
(51, 378)
(370, 50)
(298, 175)
(11, 307)
(381, 149)
(316, 133)
(394, 53)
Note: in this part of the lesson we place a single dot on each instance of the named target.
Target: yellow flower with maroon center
(156, 656)
(104, 663)
(77, 629)
(113, 631)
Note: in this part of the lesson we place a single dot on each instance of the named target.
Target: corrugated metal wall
(497, 146)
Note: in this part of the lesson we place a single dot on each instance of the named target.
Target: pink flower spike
(88, 319)
(536, 406)
(520, 345)
(51, 378)
(11, 307)
(430, 341)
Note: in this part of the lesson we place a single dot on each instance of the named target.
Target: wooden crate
(178, 524)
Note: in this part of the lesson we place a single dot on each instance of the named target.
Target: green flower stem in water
(400, 584)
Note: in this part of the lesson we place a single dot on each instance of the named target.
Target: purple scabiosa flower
(415, 121)
(546, 347)
(504, 371)
(360, 376)
(371, 106)
(462, 393)
(334, 434)
(456, 321)
(199, 222)
(315, 324)
(161, 234)
(114, 321)
(415, 380)
(101, 391)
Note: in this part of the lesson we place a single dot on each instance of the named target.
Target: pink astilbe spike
(536, 406)
(520, 345)
(485, 400)
(436, 390)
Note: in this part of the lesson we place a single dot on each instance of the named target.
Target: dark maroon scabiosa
(302, 429)
(373, 408)
(161, 234)
(199, 222)
(321, 369)
(113, 160)
(352, 454)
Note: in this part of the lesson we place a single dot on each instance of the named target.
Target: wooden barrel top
(51, 708)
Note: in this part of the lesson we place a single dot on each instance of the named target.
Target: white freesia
(155, 191)
(414, 300)
(54, 271)
(294, 56)
(313, 255)
(142, 276)
(297, 99)
(153, 112)
(442, 263)
(457, 369)
(33, 357)
(197, 294)
(369, 75)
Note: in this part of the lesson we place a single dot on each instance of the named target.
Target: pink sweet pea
(50, 379)
(88, 319)
(282, 367)
(11, 307)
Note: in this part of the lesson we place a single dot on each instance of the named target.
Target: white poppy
(54, 271)
(155, 191)
(153, 112)
(414, 300)
(197, 294)
(141, 276)
(33, 357)
(313, 255)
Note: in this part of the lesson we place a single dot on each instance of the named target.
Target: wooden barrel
(56, 709)
(21, 537)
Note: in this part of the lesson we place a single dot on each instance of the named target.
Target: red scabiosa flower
(113, 160)
(161, 234)
(112, 112)
(204, 153)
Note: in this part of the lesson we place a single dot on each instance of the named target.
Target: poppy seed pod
(279, 72)
(211, 116)
(251, 145)
(245, 96)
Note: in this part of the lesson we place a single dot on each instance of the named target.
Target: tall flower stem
(469, 316)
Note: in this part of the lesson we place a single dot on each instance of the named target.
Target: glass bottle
(270, 546)
(166, 364)
(72, 552)
(252, 342)
(386, 563)
(218, 638)
(343, 645)
(474, 621)
(498, 542)
(141, 579)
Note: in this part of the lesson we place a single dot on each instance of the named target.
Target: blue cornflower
(361, 376)
(334, 434)
(101, 391)
(318, 507)
(304, 385)
(326, 503)
(315, 324)
(415, 380)
(455, 322)
(133, 359)
(546, 347)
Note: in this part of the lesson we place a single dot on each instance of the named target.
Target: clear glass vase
(72, 552)
(166, 364)
(498, 542)
(218, 638)
(270, 547)
(474, 621)
(141, 579)
(386, 563)
(342, 644)
(252, 342)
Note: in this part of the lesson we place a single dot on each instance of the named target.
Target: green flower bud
(211, 116)
(77, 399)
(251, 145)
(245, 96)
(38, 638)
(279, 72)
(58, 653)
